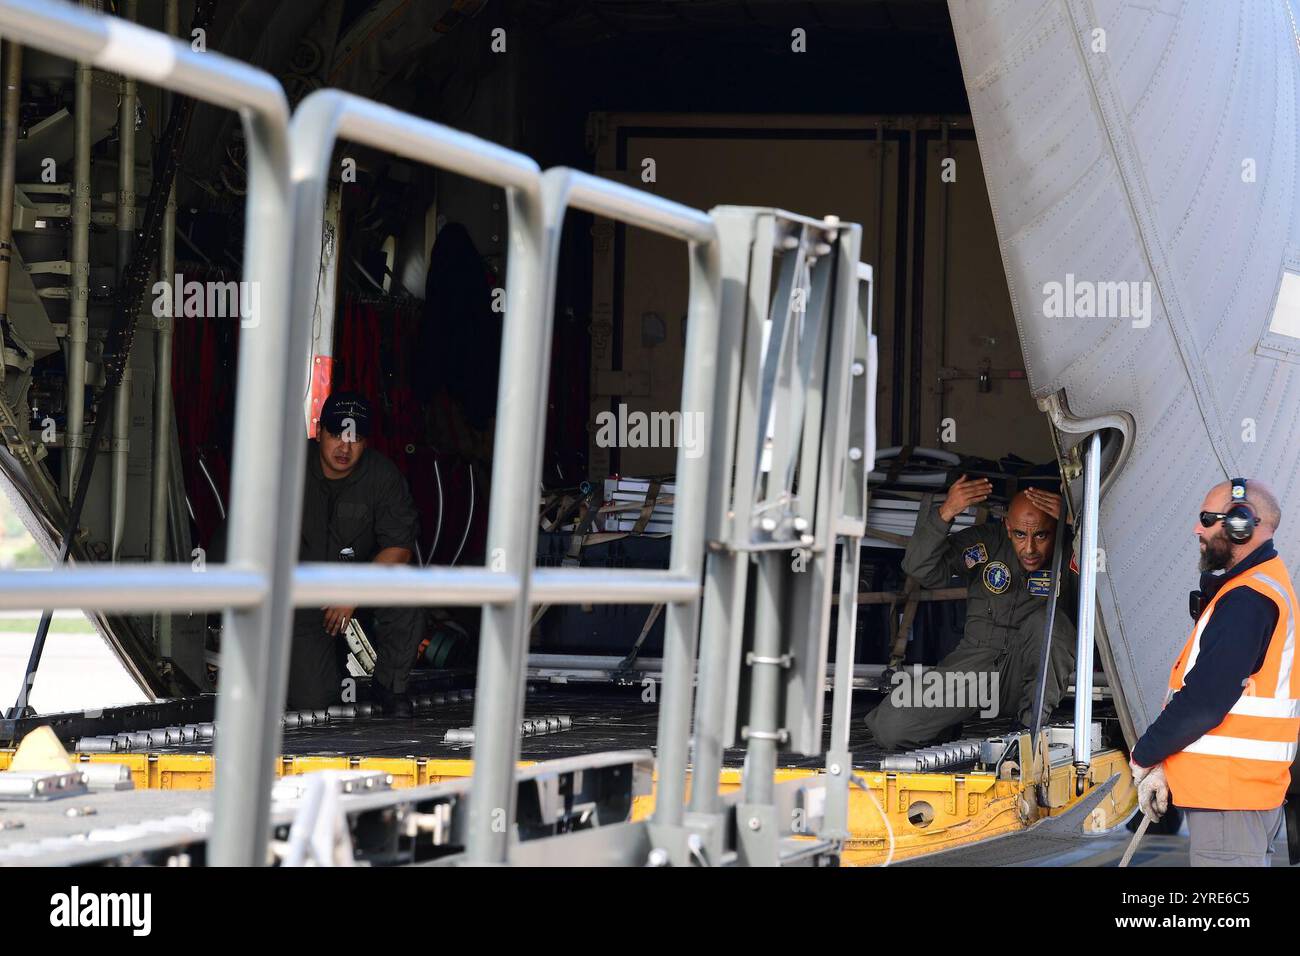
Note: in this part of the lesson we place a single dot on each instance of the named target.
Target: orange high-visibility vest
(1245, 762)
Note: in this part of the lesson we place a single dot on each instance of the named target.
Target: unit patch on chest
(997, 577)
(975, 555)
(1040, 583)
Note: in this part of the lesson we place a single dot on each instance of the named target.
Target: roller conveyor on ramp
(928, 810)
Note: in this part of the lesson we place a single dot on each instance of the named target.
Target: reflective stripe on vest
(1244, 762)
(1286, 599)
(1242, 747)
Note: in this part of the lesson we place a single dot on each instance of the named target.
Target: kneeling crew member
(356, 507)
(1009, 578)
(1223, 745)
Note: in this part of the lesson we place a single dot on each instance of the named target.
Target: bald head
(1259, 496)
(1031, 529)
(1023, 507)
(1218, 551)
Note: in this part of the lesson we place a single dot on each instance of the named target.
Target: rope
(1137, 838)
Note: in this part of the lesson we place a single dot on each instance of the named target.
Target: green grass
(28, 625)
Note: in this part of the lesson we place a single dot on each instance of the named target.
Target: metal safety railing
(133, 51)
(536, 205)
(262, 582)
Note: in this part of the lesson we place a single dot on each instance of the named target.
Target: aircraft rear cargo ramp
(1144, 155)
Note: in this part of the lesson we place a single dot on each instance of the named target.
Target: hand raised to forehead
(1045, 501)
(964, 493)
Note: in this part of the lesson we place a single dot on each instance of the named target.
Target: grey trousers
(1233, 837)
(1002, 676)
(316, 668)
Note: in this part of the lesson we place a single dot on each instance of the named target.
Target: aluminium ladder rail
(242, 585)
(536, 205)
(261, 583)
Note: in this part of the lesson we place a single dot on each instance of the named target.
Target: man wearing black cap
(356, 507)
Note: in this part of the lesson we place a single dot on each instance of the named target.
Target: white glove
(1153, 790)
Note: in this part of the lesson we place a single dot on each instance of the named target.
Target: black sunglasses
(1210, 518)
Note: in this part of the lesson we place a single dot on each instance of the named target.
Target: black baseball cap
(342, 407)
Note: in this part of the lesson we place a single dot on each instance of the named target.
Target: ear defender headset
(1240, 520)
(1239, 523)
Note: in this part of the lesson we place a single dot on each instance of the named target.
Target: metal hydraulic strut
(1087, 611)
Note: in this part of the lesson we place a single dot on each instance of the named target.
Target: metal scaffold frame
(808, 400)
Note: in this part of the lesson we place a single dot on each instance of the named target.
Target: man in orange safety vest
(1222, 747)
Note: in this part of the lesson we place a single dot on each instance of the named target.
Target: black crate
(604, 628)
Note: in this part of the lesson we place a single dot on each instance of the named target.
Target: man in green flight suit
(1008, 575)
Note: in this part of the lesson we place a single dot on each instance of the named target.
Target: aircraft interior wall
(872, 151)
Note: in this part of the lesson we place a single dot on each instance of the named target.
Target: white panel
(1286, 314)
(1169, 157)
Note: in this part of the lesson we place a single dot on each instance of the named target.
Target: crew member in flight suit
(1008, 575)
(356, 507)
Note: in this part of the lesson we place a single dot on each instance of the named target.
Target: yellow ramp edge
(925, 812)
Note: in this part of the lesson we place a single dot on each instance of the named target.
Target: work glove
(1152, 788)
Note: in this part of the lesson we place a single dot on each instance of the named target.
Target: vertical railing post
(1087, 609)
(690, 515)
(535, 221)
(254, 641)
(838, 755)
(852, 524)
(727, 571)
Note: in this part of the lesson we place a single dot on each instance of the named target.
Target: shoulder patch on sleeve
(975, 554)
